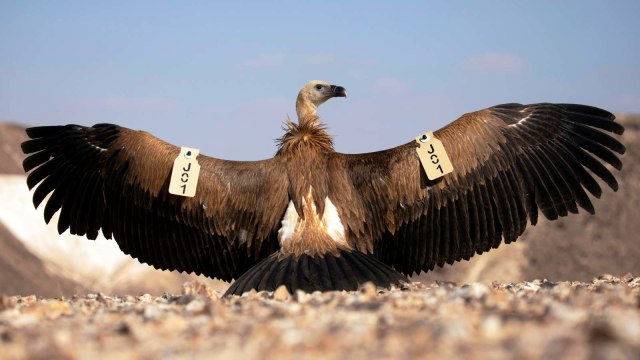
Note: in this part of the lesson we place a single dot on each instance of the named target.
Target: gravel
(527, 320)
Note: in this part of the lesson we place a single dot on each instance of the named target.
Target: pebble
(152, 312)
(474, 291)
(197, 306)
(281, 294)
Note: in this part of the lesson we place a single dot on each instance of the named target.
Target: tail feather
(347, 270)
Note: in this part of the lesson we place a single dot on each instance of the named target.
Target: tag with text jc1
(433, 157)
(184, 176)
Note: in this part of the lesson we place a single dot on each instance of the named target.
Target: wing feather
(510, 161)
(115, 179)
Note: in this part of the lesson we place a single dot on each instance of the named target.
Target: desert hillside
(21, 272)
(11, 135)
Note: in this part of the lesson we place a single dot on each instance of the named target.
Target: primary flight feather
(313, 219)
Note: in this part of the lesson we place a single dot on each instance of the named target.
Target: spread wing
(510, 161)
(116, 180)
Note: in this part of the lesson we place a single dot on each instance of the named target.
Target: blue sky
(223, 76)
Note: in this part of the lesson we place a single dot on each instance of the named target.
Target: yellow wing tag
(184, 176)
(432, 155)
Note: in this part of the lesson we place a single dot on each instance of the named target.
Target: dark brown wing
(509, 161)
(116, 179)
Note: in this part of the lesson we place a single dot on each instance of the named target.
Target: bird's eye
(318, 87)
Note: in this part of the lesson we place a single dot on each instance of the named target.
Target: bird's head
(314, 93)
(317, 92)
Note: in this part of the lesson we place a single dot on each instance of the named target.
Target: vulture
(314, 219)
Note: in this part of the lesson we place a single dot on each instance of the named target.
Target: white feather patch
(333, 224)
(290, 223)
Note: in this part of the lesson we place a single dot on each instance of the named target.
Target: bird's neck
(308, 134)
(305, 109)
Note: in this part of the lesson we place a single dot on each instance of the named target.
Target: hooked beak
(338, 91)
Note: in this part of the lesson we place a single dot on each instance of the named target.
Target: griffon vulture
(311, 218)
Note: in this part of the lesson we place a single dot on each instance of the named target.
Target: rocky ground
(538, 319)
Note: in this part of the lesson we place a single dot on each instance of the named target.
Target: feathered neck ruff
(308, 133)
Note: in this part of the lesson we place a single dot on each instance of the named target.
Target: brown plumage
(314, 219)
